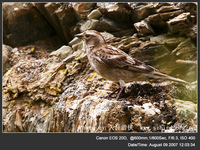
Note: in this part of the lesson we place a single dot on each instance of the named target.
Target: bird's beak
(80, 36)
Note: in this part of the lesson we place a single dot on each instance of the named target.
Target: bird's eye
(87, 35)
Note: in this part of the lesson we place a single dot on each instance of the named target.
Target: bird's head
(91, 38)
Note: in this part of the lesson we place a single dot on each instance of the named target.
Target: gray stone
(143, 27)
(62, 52)
(107, 36)
(74, 41)
(95, 14)
(89, 25)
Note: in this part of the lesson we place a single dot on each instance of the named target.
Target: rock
(190, 32)
(169, 15)
(189, 7)
(156, 53)
(83, 9)
(6, 57)
(95, 14)
(73, 56)
(94, 120)
(167, 39)
(180, 22)
(144, 28)
(107, 36)
(185, 109)
(63, 93)
(62, 20)
(105, 115)
(62, 52)
(190, 91)
(108, 25)
(74, 41)
(141, 11)
(23, 24)
(124, 32)
(185, 50)
(115, 11)
(166, 9)
(89, 25)
(126, 44)
(156, 23)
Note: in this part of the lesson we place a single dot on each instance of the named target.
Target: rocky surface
(49, 86)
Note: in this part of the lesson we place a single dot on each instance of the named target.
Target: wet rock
(167, 39)
(89, 25)
(185, 50)
(156, 52)
(144, 28)
(23, 24)
(180, 22)
(185, 109)
(62, 52)
(190, 91)
(95, 14)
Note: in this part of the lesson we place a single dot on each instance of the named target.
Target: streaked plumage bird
(115, 65)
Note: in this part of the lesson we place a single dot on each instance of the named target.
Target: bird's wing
(114, 57)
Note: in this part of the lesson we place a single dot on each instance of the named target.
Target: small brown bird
(115, 65)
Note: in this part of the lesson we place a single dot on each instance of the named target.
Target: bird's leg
(122, 87)
(119, 94)
(109, 95)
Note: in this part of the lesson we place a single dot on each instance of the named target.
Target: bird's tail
(167, 77)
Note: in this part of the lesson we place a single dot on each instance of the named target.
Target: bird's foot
(109, 95)
(118, 95)
(120, 92)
